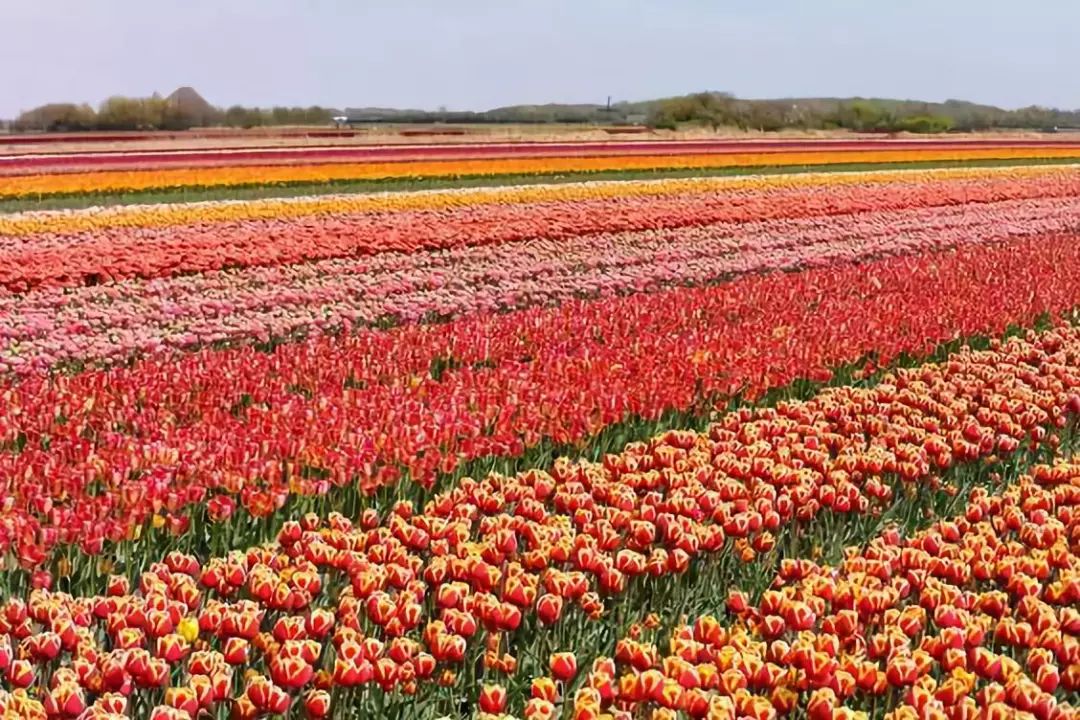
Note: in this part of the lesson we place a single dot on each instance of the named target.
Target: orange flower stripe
(113, 181)
(164, 215)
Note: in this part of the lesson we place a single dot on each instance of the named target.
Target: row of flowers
(42, 329)
(233, 211)
(975, 617)
(164, 214)
(23, 186)
(94, 456)
(269, 157)
(25, 164)
(116, 253)
(476, 587)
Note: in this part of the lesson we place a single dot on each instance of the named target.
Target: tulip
(234, 650)
(737, 602)
(155, 673)
(539, 709)
(183, 699)
(349, 673)
(290, 672)
(492, 698)
(317, 703)
(544, 688)
(243, 709)
(20, 673)
(563, 666)
(549, 609)
(66, 699)
(1048, 678)
(267, 697)
(320, 622)
(171, 648)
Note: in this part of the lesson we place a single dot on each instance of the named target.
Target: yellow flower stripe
(164, 215)
(133, 180)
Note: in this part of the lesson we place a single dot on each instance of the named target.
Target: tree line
(709, 109)
(718, 109)
(158, 113)
(861, 115)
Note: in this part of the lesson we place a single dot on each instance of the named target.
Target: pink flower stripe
(116, 253)
(45, 327)
(96, 454)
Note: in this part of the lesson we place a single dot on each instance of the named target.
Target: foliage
(158, 113)
(57, 117)
(709, 109)
(925, 124)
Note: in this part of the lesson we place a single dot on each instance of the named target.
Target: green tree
(239, 116)
(125, 113)
(925, 124)
(705, 108)
(57, 117)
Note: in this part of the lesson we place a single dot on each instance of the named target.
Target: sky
(479, 54)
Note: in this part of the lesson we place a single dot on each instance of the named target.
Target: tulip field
(576, 430)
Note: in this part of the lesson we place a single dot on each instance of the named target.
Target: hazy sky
(478, 54)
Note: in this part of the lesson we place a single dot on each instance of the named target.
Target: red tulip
(171, 648)
(544, 689)
(539, 709)
(549, 609)
(20, 674)
(317, 703)
(182, 698)
(492, 698)
(563, 666)
(290, 672)
(166, 712)
(267, 697)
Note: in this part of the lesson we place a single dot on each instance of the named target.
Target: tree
(925, 124)
(763, 115)
(125, 113)
(239, 116)
(707, 108)
(863, 116)
(57, 117)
